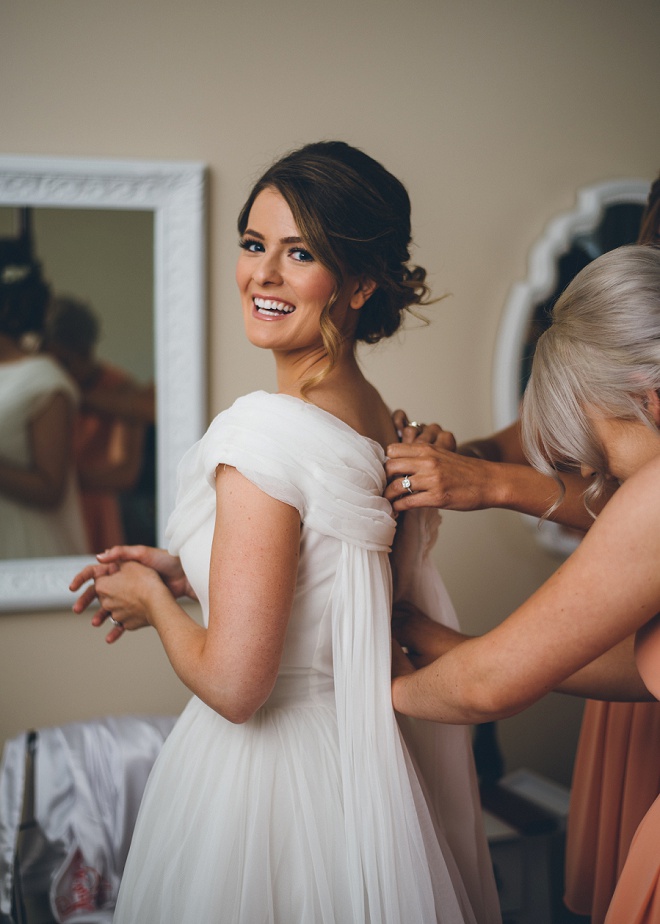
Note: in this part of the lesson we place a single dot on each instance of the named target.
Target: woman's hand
(167, 566)
(400, 663)
(437, 477)
(87, 597)
(130, 594)
(423, 639)
(413, 432)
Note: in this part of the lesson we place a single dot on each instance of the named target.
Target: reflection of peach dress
(95, 443)
(619, 757)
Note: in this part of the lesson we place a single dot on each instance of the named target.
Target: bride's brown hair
(354, 216)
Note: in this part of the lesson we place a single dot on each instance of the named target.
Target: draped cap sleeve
(298, 454)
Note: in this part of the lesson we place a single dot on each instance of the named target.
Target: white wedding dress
(26, 531)
(320, 809)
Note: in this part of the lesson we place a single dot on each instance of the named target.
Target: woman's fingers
(119, 553)
(85, 599)
(89, 573)
(400, 420)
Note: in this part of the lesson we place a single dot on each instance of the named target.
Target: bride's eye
(300, 255)
(251, 245)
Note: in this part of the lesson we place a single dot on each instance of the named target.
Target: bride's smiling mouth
(271, 307)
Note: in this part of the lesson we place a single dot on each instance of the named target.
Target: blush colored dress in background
(637, 895)
(319, 808)
(615, 781)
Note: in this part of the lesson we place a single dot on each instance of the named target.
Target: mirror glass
(123, 240)
(99, 266)
(606, 215)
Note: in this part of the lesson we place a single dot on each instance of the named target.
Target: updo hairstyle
(601, 352)
(354, 217)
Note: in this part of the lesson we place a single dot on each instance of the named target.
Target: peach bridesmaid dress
(615, 781)
(619, 755)
(637, 896)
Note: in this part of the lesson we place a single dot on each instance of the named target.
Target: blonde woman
(592, 405)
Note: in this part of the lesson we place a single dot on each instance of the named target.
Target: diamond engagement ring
(115, 622)
(413, 423)
(405, 483)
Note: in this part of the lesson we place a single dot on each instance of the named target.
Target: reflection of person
(108, 449)
(616, 776)
(286, 792)
(134, 403)
(592, 404)
(39, 506)
(131, 400)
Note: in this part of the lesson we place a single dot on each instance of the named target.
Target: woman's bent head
(600, 355)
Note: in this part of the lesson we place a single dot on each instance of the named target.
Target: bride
(287, 792)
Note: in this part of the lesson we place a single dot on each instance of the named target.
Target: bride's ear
(364, 289)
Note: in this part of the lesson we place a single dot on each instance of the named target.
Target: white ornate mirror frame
(592, 201)
(175, 192)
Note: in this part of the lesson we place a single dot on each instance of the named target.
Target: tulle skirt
(238, 822)
(246, 824)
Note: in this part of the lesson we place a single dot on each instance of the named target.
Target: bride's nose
(268, 271)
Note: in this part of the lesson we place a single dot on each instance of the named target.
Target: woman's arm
(51, 436)
(233, 665)
(129, 400)
(492, 472)
(612, 676)
(600, 596)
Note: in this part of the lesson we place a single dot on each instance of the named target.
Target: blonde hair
(601, 353)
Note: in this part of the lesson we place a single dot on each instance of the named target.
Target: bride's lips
(271, 307)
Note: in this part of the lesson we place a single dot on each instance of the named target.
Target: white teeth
(269, 304)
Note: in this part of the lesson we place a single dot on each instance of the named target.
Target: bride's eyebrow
(283, 240)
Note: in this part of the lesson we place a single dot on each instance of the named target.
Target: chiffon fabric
(26, 387)
(616, 779)
(319, 808)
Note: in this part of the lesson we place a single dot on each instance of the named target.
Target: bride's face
(283, 288)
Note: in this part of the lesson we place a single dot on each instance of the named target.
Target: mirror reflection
(618, 225)
(606, 215)
(77, 399)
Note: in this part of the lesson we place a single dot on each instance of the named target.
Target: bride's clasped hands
(127, 581)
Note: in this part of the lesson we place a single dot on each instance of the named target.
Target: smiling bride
(288, 792)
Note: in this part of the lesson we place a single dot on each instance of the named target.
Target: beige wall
(492, 113)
